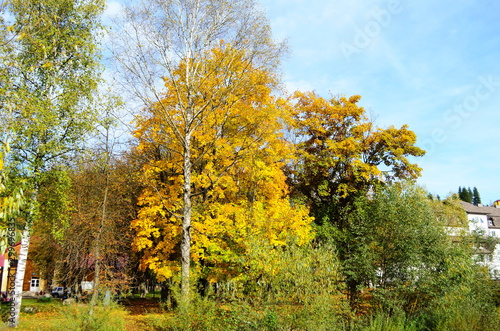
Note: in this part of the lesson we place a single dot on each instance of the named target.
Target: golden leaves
(340, 152)
(234, 126)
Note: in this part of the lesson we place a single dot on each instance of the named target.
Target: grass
(208, 315)
(51, 305)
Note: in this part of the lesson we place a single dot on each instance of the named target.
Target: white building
(486, 221)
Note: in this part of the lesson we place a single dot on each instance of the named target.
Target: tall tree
(99, 242)
(469, 195)
(476, 198)
(237, 186)
(341, 157)
(53, 70)
(398, 242)
(465, 194)
(404, 252)
(170, 39)
(54, 213)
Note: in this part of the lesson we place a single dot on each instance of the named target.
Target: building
(32, 281)
(485, 221)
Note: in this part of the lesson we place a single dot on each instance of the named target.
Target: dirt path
(141, 306)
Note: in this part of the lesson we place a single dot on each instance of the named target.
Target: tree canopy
(281, 211)
(238, 188)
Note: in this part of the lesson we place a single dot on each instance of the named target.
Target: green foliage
(391, 241)
(54, 201)
(289, 288)
(466, 305)
(385, 322)
(398, 248)
(104, 318)
(465, 194)
(476, 198)
(53, 69)
(4, 312)
(11, 201)
(450, 212)
(45, 299)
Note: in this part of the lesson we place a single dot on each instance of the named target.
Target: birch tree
(53, 75)
(158, 37)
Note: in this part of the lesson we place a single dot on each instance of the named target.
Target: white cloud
(113, 9)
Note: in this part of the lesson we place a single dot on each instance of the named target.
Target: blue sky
(433, 65)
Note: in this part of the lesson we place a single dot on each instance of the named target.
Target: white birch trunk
(18, 282)
(186, 224)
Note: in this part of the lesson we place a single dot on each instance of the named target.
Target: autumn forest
(165, 152)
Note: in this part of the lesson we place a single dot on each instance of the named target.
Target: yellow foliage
(237, 151)
(340, 151)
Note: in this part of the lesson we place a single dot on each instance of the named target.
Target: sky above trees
(431, 65)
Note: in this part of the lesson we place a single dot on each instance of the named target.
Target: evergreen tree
(476, 199)
(462, 193)
(465, 194)
(469, 195)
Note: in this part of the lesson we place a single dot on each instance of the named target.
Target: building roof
(473, 209)
(496, 222)
(492, 213)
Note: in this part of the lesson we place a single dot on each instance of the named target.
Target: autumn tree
(450, 212)
(341, 156)
(174, 41)
(52, 68)
(52, 220)
(99, 243)
(237, 186)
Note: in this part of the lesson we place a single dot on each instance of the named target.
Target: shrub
(103, 318)
(44, 299)
(381, 321)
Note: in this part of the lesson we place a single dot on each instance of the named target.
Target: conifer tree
(469, 195)
(465, 194)
(476, 199)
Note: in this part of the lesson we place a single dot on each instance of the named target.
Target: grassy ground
(47, 315)
(54, 316)
(145, 314)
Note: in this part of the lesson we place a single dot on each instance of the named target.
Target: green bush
(78, 317)
(4, 312)
(44, 299)
(468, 312)
(381, 321)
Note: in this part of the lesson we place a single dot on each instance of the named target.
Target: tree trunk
(17, 297)
(104, 215)
(186, 224)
